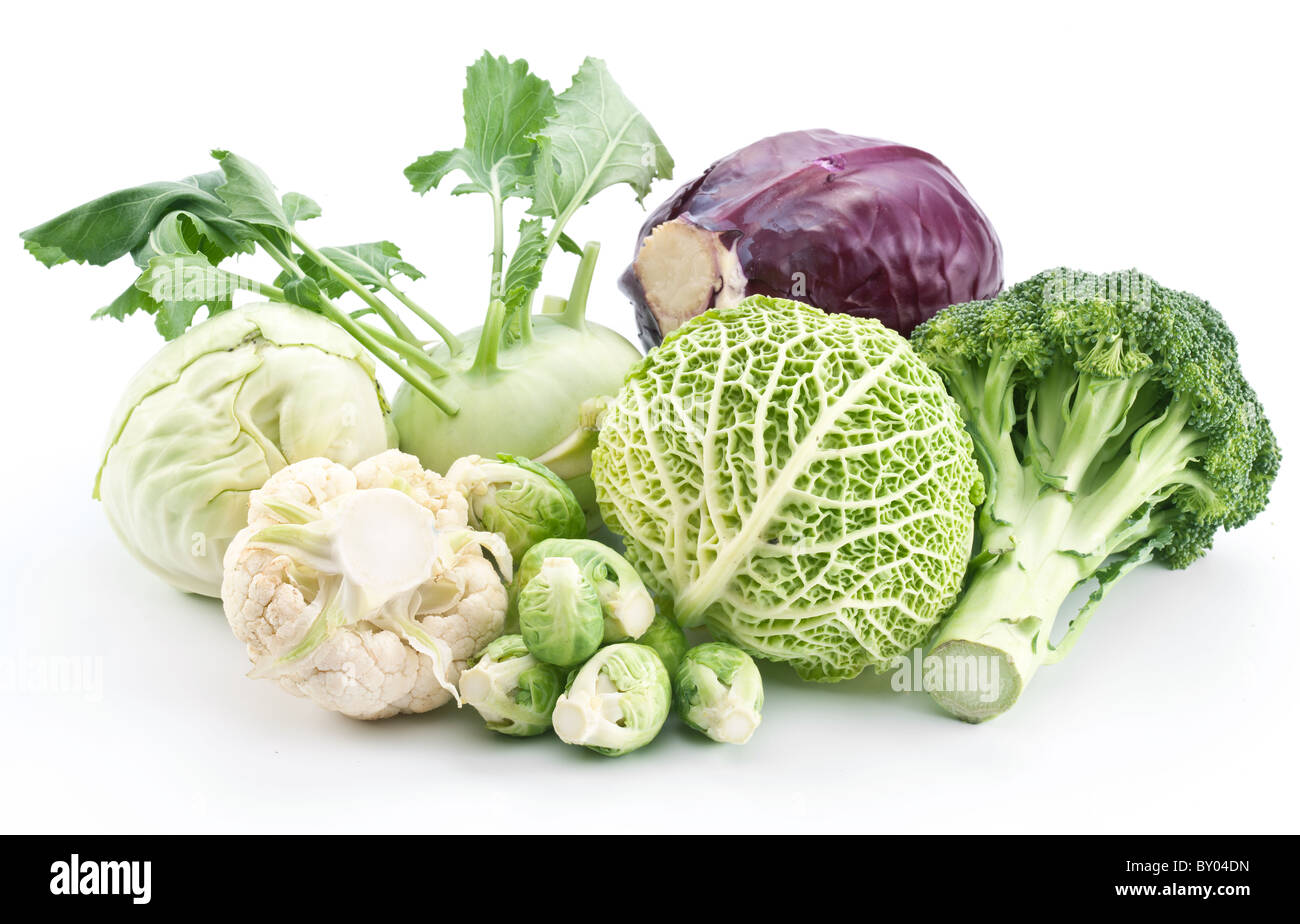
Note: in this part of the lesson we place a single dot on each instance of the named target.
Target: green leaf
(505, 105)
(524, 274)
(179, 284)
(298, 207)
(129, 302)
(174, 301)
(426, 172)
(371, 264)
(249, 193)
(108, 227)
(595, 139)
(47, 254)
(569, 245)
(186, 233)
(303, 291)
(189, 277)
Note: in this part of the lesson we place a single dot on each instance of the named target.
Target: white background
(1107, 136)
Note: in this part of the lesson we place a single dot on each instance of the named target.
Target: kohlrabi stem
(411, 354)
(525, 314)
(343, 320)
(381, 309)
(453, 342)
(489, 343)
(575, 309)
(498, 238)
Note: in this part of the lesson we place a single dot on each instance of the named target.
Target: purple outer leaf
(848, 224)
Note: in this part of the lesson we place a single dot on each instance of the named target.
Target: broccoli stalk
(1112, 425)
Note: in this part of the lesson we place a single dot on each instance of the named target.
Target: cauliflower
(364, 589)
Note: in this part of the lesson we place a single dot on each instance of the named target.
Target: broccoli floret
(1112, 425)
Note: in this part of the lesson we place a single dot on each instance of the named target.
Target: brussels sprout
(719, 692)
(512, 690)
(627, 605)
(214, 414)
(560, 615)
(524, 501)
(616, 702)
(668, 640)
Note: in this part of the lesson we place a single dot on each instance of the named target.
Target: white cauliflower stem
(364, 589)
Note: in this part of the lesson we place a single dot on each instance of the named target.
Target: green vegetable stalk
(1112, 425)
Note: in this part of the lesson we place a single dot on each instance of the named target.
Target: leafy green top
(1115, 388)
(799, 481)
(180, 233)
(522, 140)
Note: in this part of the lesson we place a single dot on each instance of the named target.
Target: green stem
(343, 320)
(453, 342)
(381, 309)
(412, 354)
(575, 309)
(498, 239)
(489, 344)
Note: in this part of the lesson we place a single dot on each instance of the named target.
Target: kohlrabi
(523, 383)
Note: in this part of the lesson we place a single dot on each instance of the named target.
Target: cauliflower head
(364, 589)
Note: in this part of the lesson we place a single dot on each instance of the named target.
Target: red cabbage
(848, 224)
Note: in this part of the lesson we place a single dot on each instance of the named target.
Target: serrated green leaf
(504, 105)
(303, 291)
(179, 284)
(47, 254)
(111, 226)
(427, 172)
(595, 139)
(249, 193)
(190, 278)
(524, 274)
(298, 207)
(185, 232)
(569, 245)
(129, 302)
(371, 264)
(174, 318)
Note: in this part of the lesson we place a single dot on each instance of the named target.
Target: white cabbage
(214, 414)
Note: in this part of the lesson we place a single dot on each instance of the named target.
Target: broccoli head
(1112, 425)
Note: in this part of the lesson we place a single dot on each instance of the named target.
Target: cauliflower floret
(363, 590)
(400, 470)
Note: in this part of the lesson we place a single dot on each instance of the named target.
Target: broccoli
(1112, 425)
